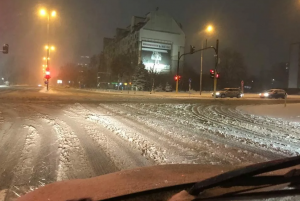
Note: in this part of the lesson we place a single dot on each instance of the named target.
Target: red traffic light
(217, 76)
(212, 71)
(47, 77)
(177, 77)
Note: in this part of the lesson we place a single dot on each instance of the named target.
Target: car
(229, 92)
(274, 93)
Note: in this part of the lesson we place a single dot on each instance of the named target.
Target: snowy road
(60, 136)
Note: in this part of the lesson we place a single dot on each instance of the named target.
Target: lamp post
(46, 13)
(209, 29)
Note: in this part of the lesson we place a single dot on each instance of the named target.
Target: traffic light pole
(48, 50)
(216, 65)
(177, 81)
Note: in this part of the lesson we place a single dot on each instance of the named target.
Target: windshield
(89, 88)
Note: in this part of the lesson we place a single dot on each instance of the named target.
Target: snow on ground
(89, 139)
(290, 113)
(49, 91)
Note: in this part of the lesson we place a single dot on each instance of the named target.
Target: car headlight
(266, 94)
(218, 93)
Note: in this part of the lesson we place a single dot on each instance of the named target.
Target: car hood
(125, 182)
(128, 182)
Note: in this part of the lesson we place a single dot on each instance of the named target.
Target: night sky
(261, 30)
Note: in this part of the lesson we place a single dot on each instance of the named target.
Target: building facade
(294, 66)
(155, 40)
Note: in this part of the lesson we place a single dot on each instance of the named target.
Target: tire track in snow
(187, 144)
(72, 160)
(271, 123)
(119, 150)
(21, 182)
(146, 146)
(11, 145)
(234, 136)
(265, 126)
(257, 136)
(46, 163)
(99, 161)
(196, 133)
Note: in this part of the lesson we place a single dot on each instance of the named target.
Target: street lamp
(53, 13)
(44, 12)
(209, 29)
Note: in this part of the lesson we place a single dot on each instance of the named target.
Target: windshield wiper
(247, 176)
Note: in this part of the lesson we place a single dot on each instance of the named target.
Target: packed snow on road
(41, 143)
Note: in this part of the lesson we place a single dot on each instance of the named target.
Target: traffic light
(212, 73)
(192, 49)
(177, 77)
(47, 76)
(5, 49)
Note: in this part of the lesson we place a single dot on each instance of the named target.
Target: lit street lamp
(46, 13)
(209, 29)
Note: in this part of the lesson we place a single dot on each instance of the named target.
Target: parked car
(274, 93)
(229, 92)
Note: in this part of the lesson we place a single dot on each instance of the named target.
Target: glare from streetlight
(44, 58)
(209, 28)
(53, 14)
(43, 12)
(46, 47)
(52, 48)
